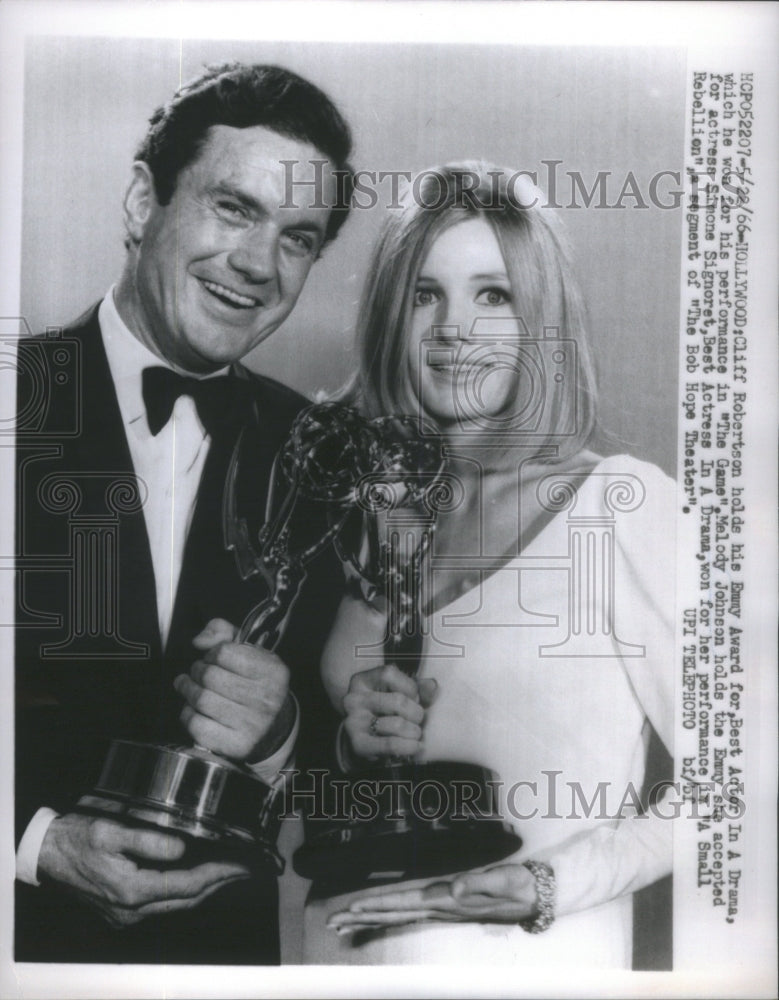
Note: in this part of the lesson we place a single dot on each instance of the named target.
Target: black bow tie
(218, 400)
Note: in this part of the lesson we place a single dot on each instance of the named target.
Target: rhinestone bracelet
(545, 898)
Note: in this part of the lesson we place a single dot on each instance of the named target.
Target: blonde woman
(548, 655)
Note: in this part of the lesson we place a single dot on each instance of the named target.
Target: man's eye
(425, 297)
(493, 297)
(232, 209)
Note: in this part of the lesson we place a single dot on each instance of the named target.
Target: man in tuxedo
(126, 424)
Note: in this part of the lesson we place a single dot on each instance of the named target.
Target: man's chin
(215, 343)
(198, 361)
(210, 358)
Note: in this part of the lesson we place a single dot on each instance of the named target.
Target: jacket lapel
(102, 454)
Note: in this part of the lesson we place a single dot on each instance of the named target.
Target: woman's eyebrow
(487, 276)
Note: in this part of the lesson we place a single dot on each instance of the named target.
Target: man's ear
(139, 201)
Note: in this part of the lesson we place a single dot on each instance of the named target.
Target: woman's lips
(462, 366)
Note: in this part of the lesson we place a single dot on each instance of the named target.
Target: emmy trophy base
(221, 809)
(403, 821)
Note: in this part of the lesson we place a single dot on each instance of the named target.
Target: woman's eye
(424, 297)
(493, 297)
(302, 242)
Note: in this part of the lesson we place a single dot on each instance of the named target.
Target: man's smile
(229, 296)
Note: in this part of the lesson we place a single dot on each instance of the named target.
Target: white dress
(550, 673)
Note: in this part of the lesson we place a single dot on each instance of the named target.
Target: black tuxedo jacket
(89, 661)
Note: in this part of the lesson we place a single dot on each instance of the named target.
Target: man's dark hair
(242, 96)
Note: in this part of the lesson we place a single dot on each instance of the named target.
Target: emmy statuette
(222, 807)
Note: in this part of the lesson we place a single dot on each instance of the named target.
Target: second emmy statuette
(417, 826)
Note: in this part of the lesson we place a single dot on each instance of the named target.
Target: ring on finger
(373, 728)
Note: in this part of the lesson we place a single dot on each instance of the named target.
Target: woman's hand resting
(504, 894)
(385, 712)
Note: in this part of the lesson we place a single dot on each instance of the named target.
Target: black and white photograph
(388, 539)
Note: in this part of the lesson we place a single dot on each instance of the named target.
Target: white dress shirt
(168, 466)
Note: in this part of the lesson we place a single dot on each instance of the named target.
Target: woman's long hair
(548, 303)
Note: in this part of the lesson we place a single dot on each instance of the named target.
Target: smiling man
(216, 260)
(214, 272)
